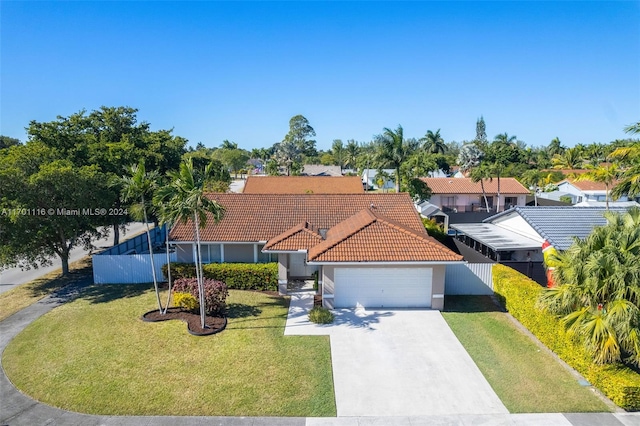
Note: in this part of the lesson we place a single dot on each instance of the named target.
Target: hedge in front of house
(519, 295)
(237, 276)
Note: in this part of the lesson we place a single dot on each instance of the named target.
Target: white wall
(128, 268)
(469, 279)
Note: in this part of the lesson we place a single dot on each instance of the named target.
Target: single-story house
(370, 250)
(519, 234)
(303, 185)
(371, 181)
(464, 195)
(582, 191)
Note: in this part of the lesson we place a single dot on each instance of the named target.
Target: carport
(494, 242)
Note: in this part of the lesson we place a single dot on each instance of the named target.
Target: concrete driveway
(398, 363)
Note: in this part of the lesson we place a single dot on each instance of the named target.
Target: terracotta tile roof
(369, 237)
(260, 217)
(467, 186)
(300, 237)
(303, 185)
(587, 185)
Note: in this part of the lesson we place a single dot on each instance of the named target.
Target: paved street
(12, 277)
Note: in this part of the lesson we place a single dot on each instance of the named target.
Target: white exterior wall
(469, 279)
(128, 268)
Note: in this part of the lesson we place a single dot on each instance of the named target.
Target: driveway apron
(399, 363)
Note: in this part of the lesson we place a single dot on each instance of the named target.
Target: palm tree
(137, 190)
(629, 183)
(531, 179)
(555, 147)
(569, 159)
(393, 150)
(603, 174)
(597, 292)
(339, 153)
(433, 142)
(184, 199)
(287, 154)
(351, 154)
(500, 154)
(479, 174)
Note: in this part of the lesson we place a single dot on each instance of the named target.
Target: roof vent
(323, 233)
(372, 206)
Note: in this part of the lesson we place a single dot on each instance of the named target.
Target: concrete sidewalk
(17, 409)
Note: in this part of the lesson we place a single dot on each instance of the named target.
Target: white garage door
(383, 287)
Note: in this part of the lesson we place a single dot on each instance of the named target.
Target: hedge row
(519, 295)
(237, 276)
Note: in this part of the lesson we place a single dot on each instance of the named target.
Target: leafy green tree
(234, 159)
(481, 133)
(469, 157)
(597, 292)
(288, 154)
(433, 142)
(501, 152)
(226, 144)
(300, 132)
(418, 190)
(138, 190)
(48, 205)
(272, 168)
(6, 142)
(184, 200)
(393, 149)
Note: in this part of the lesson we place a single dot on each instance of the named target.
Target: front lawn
(526, 378)
(95, 355)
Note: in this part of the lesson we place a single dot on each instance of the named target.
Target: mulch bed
(213, 325)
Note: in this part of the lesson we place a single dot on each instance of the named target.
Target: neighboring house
(431, 211)
(518, 235)
(303, 185)
(371, 181)
(460, 195)
(588, 191)
(370, 250)
(320, 170)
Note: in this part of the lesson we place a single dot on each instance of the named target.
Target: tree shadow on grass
(471, 304)
(104, 293)
(240, 310)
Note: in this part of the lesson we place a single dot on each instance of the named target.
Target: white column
(255, 253)
(221, 253)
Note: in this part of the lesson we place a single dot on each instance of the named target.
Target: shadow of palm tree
(358, 318)
(105, 293)
(240, 310)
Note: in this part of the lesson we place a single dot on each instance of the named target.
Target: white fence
(128, 268)
(469, 279)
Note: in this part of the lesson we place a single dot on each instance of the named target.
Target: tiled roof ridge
(327, 244)
(301, 227)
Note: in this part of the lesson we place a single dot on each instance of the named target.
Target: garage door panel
(383, 287)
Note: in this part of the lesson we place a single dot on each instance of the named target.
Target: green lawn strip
(111, 362)
(29, 293)
(526, 378)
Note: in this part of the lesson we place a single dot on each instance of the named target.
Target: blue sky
(241, 70)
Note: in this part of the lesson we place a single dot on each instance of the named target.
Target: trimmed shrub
(520, 294)
(237, 276)
(185, 301)
(215, 293)
(320, 315)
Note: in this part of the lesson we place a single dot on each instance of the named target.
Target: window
(210, 253)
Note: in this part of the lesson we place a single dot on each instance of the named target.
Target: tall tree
(481, 132)
(137, 190)
(480, 174)
(629, 157)
(555, 147)
(607, 175)
(339, 153)
(288, 154)
(433, 142)
(300, 132)
(532, 179)
(569, 159)
(500, 154)
(184, 199)
(352, 151)
(597, 291)
(48, 205)
(6, 142)
(393, 149)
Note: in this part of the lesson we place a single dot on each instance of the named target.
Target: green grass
(526, 378)
(95, 355)
(29, 293)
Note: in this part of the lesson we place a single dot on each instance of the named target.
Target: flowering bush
(215, 293)
(185, 301)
